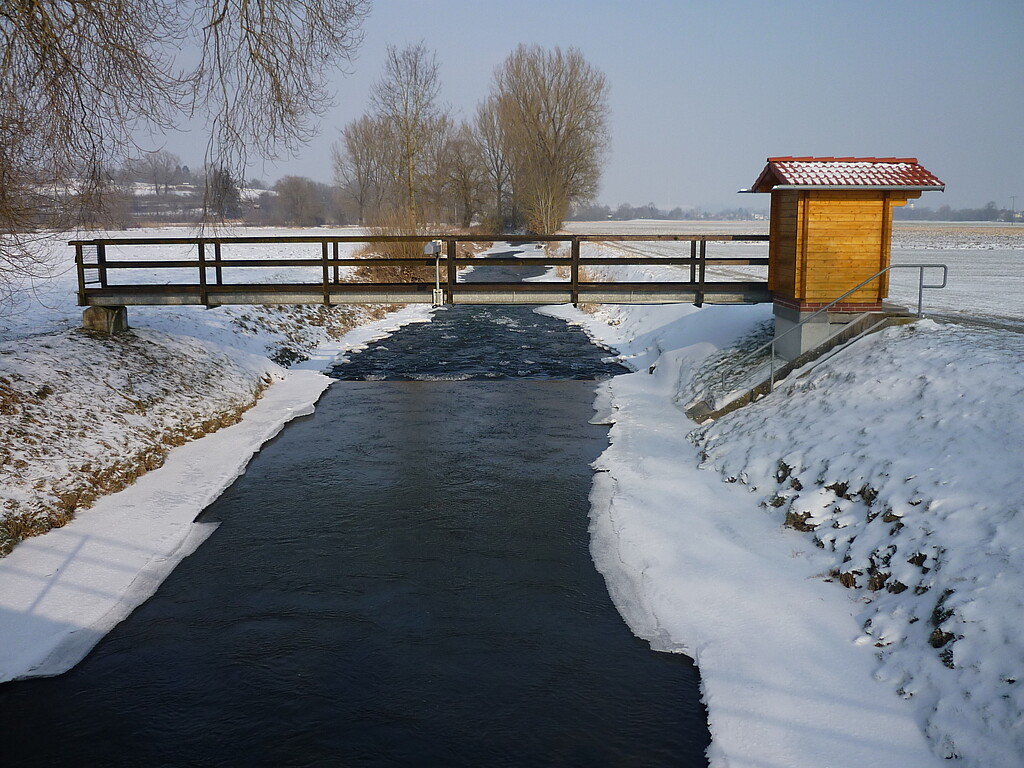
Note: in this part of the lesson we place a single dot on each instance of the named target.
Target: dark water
(402, 579)
(507, 342)
(484, 343)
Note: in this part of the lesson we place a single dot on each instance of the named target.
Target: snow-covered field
(842, 559)
(50, 304)
(985, 268)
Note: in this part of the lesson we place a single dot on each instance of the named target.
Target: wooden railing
(207, 274)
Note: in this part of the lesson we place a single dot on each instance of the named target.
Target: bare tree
(223, 197)
(263, 69)
(406, 97)
(79, 81)
(553, 111)
(359, 164)
(465, 174)
(435, 180)
(300, 201)
(160, 168)
(491, 142)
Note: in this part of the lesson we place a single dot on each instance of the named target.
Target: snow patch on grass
(83, 415)
(901, 460)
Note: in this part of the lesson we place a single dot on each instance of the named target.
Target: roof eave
(863, 187)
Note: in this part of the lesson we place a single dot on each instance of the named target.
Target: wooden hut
(831, 229)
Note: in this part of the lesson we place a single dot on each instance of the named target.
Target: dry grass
(586, 276)
(56, 502)
(397, 224)
(83, 416)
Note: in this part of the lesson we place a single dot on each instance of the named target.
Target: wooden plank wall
(784, 244)
(823, 243)
(846, 243)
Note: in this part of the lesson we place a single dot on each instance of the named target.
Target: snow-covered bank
(61, 592)
(901, 460)
(695, 567)
(83, 416)
(883, 625)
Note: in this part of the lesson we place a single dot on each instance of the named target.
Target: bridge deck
(421, 293)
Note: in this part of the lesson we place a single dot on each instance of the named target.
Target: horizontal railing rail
(771, 345)
(208, 285)
(256, 239)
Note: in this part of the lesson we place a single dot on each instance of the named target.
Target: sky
(701, 93)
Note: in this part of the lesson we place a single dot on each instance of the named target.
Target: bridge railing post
(451, 275)
(325, 272)
(204, 296)
(574, 270)
(80, 266)
(703, 273)
(218, 270)
(101, 260)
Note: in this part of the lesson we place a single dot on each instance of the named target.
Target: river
(403, 578)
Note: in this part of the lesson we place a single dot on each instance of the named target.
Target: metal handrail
(921, 285)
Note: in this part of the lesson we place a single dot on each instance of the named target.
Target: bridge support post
(805, 338)
(105, 319)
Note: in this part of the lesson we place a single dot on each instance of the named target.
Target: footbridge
(314, 269)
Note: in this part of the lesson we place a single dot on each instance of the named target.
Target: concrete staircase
(710, 409)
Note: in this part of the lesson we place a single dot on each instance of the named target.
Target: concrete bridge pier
(105, 319)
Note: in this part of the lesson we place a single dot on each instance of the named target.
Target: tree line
(158, 188)
(626, 212)
(533, 148)
(990, 212)
(81, 82)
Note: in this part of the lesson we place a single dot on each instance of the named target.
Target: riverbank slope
(86, 420)
(843, 558)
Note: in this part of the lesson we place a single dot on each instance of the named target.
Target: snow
(902, 484)
(693, 571)
(886, 453)
(979, 268)
(880, 626)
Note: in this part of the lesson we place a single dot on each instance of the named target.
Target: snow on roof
(846, 173)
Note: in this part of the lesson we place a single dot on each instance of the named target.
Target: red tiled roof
(846, 172)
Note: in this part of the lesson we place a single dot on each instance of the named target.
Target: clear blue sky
(702, 92)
